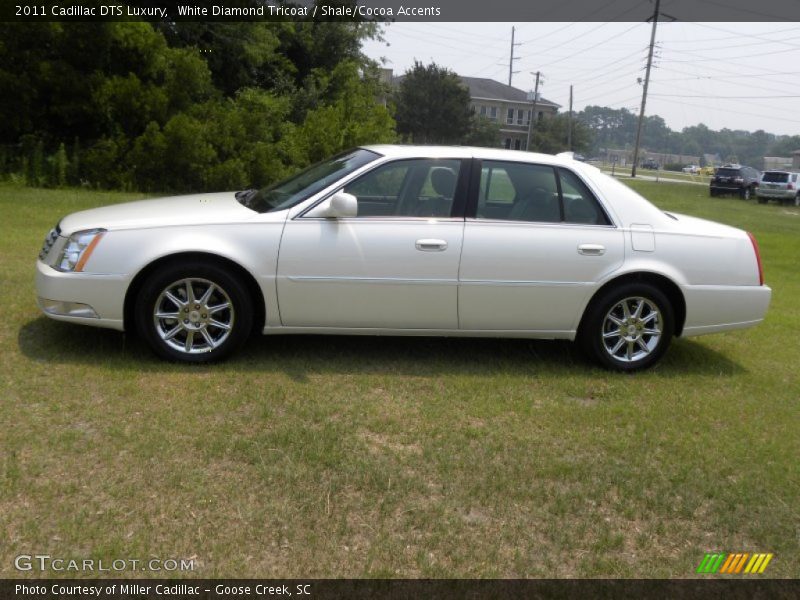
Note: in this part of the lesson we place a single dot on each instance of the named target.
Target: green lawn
(367, 457)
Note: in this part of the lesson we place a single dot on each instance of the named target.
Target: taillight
(758, 258)
(789, 186)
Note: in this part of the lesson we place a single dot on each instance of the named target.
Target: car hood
(197, 209)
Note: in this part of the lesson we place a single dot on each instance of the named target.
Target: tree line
(183, 106)
(616, 128)
(178, 107)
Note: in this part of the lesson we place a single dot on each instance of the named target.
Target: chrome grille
(51, 238)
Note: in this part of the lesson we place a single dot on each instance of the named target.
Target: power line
(725, 97)
(738, 112)
(739, 34)
(727, 47)
(735, 36)
(591, 47)
(727, 59)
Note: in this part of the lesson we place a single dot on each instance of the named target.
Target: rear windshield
(775, 177)
(728, 172)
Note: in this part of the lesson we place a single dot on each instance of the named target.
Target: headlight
(79, 248)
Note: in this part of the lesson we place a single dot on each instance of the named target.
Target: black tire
(712, 193)
(222, 322)
(797, 200)
(596, 325)
(745, 193)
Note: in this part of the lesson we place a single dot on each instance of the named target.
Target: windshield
(301, 186)
(775, 177)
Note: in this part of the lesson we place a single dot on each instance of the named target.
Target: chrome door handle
(431, 245)
(591, 249)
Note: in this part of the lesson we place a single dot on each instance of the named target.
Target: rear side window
(536, 193)
(580, 205)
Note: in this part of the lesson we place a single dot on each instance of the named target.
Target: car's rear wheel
(628, 328)
(745, 193)
(194, 313)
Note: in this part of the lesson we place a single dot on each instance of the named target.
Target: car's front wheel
(193, 312)
(628, 328)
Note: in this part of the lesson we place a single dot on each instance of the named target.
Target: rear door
(535, 243)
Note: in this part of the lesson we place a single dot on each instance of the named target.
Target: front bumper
(88, 299)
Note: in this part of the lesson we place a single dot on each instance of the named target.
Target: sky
(726, 75)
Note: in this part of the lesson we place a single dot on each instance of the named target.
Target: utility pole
(533, 112)
(569, 130)
(644, 91)
(512, 58)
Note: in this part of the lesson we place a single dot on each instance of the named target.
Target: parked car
(693, 169)
(404, 240)
(778, 185)
(649, 163)
(734, 179)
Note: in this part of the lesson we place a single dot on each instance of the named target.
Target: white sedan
(404, 240)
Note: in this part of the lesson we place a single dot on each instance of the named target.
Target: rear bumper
(88, 299)
(715, 308)
(722, 188)
(776, 194)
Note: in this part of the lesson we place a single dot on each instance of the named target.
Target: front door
(394, 266)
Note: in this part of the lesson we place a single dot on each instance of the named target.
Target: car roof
(411, 151)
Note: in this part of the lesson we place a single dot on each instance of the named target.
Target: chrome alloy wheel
(632, 329)
(193, 315)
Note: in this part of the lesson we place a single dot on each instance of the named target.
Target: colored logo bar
(742, 562)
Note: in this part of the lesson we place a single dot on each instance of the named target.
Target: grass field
(366, 457)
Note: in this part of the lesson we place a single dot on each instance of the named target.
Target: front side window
(290, 192)
(536, 193)
(407, 188)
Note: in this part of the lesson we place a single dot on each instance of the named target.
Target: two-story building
(503, 104)
(509, 107)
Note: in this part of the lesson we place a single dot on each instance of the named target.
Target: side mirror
(338, 206)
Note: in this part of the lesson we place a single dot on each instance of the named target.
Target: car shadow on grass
(298, 356)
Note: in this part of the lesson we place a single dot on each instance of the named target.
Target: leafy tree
(551, 135)
(483, 132)
(433, 107)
